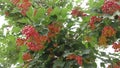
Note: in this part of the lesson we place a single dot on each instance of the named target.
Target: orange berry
(102, 40)
(71, 57)
(49, 10)
(27, 57)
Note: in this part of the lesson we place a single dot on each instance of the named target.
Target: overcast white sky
(2, 20)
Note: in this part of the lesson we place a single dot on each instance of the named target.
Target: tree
(44, 33)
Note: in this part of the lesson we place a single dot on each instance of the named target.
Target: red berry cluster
(79, 60)
(75, 57)
(34, 41)
(93, 20)
(116, 46)
(34, 47)
(102, 40)
(29, 31)
(110, 7)
(54, 29)
(27, 57)
(76, 13)
(24, 6)
(108, 31)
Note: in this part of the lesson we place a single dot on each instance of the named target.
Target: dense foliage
(59, 33)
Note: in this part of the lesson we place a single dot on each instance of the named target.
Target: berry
(34, 41)
(79, 60)
(34, 47)
(53, 30)
(49, 10)
(110, 7)
(71, 57)
(27, 57)
(29, 31)
(93, 20)
(108, 31)
(102, 40)
(24, 6)
(116, 46)
(76, 13)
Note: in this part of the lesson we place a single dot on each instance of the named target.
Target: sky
(2, 21)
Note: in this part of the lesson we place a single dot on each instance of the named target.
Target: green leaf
(58, 64)
(103, 53)
(87, 51)
(93, 65)
(16, 29)
(102, 65)
(40, 15)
